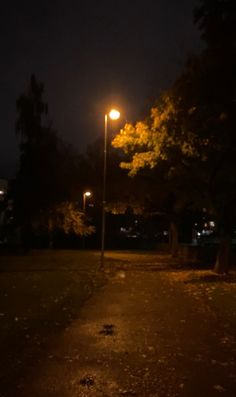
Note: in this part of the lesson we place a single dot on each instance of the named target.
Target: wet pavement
(138, 335)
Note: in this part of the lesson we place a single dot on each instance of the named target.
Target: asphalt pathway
(138, 335)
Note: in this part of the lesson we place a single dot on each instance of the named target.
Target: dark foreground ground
(145, 328)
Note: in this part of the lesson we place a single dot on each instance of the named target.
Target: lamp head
(114, 114)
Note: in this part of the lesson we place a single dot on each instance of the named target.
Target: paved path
(139, 335)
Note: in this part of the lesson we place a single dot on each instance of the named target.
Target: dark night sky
(89, 55)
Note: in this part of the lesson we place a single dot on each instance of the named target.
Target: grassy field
(40, 284)
(40, 295)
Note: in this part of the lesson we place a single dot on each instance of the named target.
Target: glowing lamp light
(85, 194)
(1, 192)
(114, 114)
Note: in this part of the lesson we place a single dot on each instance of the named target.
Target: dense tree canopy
(191, 128)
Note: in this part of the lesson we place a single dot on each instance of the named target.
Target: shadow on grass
(165, 263)
(118, 265)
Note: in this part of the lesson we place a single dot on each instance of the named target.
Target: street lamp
(86, 194)
(2, 193)
(113, 115)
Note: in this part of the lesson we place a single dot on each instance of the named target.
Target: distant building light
(165, 233)
(199, 234)
(1, 192)
(212, 224)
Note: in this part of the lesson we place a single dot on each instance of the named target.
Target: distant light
(87, 194)
(114, 114)
(1, 192)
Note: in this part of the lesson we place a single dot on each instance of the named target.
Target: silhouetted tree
(207, 108)
(47, 169)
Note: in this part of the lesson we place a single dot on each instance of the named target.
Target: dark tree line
(46, 184)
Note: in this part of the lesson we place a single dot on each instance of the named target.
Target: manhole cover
(108, 329)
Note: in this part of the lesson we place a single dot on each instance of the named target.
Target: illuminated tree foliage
(122, 192)
(158, 138)
(159, 144)
(191, 129)
(64, 217)
(69, 219)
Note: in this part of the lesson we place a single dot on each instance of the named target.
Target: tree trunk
(223, 255)
(173, 239)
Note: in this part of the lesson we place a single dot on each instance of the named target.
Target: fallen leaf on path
(219, 388)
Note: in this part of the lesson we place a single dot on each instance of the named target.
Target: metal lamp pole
(104, 192)
(114, 115)
(86, 194)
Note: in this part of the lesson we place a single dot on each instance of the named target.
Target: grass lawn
(40, 294)
(213, 292)
(39, 285)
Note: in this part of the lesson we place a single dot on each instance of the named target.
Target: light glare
(114, 114)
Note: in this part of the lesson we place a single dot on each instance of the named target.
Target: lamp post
(2, 195)
(113, 115)
(85, 194)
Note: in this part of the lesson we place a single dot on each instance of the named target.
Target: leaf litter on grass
(216, 294)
